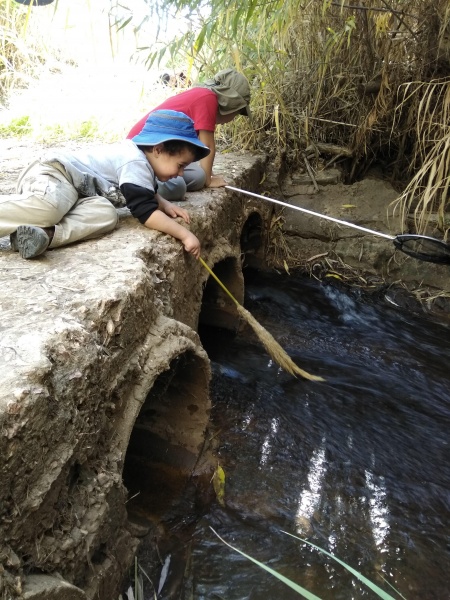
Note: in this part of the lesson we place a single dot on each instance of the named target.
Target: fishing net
(424, 248)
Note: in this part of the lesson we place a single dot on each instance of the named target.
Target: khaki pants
(46, 197)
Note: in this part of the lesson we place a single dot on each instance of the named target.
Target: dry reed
(274, 349)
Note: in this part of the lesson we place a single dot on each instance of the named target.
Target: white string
(310, 212)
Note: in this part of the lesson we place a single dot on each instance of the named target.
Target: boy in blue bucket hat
(65, 197)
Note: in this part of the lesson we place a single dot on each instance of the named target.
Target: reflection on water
(309, 499)
(378, 510)
(358, 465)
(265, 448)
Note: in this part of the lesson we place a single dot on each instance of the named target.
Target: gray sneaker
(31, 241)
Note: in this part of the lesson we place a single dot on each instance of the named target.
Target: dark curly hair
(173, 147)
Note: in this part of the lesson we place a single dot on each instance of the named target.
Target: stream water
(358, 465)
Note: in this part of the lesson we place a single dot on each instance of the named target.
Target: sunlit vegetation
(19, 51)
(356, 83)
(55, 88)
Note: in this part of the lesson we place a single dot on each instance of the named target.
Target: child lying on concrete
(65, 196)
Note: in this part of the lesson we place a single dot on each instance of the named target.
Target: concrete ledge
(100, 359)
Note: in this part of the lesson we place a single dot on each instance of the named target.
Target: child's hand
(217, 181)
(161, 221)
(172, 210)
(191, 244)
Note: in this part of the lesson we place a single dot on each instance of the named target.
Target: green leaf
(288, 582)
(200, 39)
(124, 23)
(250, 11)
(219, 485)
(381, 593)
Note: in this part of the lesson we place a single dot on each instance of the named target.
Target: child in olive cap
(214, 102)
(65, 196)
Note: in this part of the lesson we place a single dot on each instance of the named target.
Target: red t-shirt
(201, 104)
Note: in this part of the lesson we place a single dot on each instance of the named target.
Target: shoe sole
(31, 241)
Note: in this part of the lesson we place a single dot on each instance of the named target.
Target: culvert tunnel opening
(219, 320)
(218, 309)
(167, 439)
(252, 241)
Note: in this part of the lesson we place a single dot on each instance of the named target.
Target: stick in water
(268, 341)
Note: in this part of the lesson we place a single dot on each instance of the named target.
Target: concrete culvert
(252, 238)
(167, 438)
(218, 310)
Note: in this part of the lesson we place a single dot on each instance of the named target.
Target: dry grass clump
(428, 190)
(274, 349)
(350, 83)
(278, 355)
(396, 91)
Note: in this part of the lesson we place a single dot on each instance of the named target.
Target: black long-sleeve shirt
(141, 201)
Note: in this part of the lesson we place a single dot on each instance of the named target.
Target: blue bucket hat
(164, 125)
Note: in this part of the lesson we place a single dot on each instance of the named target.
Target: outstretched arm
(162, 222)
(155, 212)
(172, 210)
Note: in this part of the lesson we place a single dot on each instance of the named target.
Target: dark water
(358, 465)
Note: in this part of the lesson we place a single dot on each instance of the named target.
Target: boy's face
(166, 166)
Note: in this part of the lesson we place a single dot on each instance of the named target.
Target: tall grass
(336, 77)
(18, 56)
(428, 190)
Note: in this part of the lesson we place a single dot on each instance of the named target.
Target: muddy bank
(322, 248)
